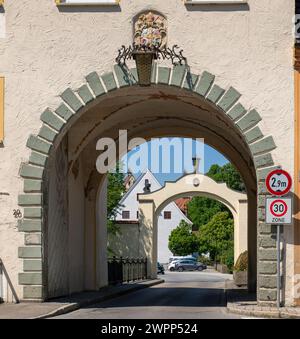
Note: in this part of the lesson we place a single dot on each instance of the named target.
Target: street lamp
(144, 55)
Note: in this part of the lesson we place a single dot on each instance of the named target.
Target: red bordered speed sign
(279, 211)
(278, 208)
(279, 182)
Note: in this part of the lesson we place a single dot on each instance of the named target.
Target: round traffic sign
(279, 182)
(278, 208)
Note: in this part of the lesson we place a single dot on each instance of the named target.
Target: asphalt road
(184, 295)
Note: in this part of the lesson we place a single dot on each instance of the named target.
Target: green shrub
(205, 260)
(242, 262)
(228, 259)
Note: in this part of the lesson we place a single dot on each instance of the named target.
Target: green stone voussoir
(215, 94)
(95, 84)
(123, 75)
(30, 199)
(229, 99)
(38, 159)
(262, 146)
(178, 75)
(31, 265)
(32, 186)
(64, 112)
(28, 171)
(72, 100)
(49, 118)
(205, 83)
(263, 160)
(164, 75)
(33, 212)
(134, 76)
(32, 239)
(251, 119)
(253, 135)
(262, 173)
(109, 81)
(85, 94)
(33, 292)
(237, 112)
(29, 225)
(39, 145)
(30, 252)
(30, 278)
(47, 133)
(190, 81)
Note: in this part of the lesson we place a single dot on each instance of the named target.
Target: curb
(274, 314)
(252, 313)
(76, 306)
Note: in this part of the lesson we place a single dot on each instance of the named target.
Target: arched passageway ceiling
(156, 112)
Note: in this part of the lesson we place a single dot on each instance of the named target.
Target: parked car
(160, 269)
(172, 265)
(189, 265)
(188, 257)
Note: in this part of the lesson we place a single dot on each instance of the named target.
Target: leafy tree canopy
(201, 210)
(182, 241)
(216, 237)
(115, 190)
(227, 174)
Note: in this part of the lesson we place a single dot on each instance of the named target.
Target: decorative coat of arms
(150, 30)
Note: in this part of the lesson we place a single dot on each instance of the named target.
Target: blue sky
(211, 156)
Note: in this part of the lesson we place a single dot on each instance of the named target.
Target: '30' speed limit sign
(279, 211)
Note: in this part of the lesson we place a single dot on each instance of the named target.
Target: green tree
(115, 190)
(201, 210)
(182, 241)
(216, 238)
(227, 174)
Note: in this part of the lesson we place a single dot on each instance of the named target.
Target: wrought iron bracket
(174, 54)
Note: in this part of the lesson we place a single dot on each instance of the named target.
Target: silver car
(189, 265)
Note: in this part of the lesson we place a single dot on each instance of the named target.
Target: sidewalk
(239, 301)
(68, 304)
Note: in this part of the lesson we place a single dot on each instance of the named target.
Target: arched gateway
(151, 205)
(65, 235)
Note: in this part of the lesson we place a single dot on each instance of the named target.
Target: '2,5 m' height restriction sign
(279, 211)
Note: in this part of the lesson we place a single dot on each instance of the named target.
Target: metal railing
(122, 270)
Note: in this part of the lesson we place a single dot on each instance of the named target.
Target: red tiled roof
(182, 204)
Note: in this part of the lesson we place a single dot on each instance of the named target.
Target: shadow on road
(168, 297)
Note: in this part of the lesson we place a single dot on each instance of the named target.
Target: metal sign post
(278, 212)
(278, 268)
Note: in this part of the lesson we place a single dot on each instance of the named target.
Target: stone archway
(151, 205)
(198, 93)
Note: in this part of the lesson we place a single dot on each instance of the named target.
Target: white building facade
(168, 219)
